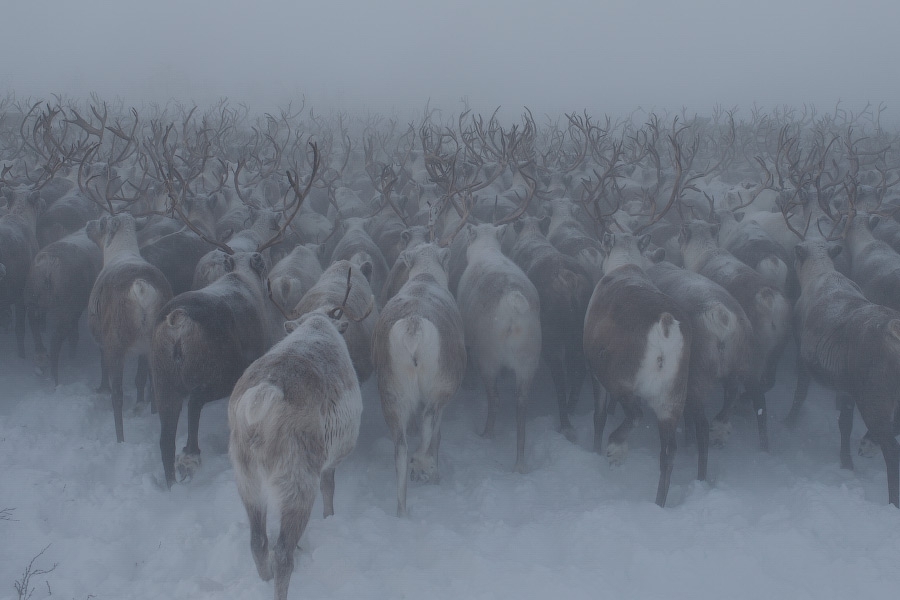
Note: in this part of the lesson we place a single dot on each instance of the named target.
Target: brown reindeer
(126, 298)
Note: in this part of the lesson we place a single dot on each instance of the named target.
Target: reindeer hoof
(423, 469)
(867, 447)
(186, 465)
(569, 433)
(719, 432)
(616, 453)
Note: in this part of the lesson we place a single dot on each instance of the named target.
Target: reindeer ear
(444, 257)
(92, 229)
(405, 236)
(545, 225)
(643, 242)
(873, 221)
(342, 326)
(290, 326)
(739, 216)
(684, 236)
(800, 253)
(518, 226)
(228, 263)
(608, 241)
(406, 259)
(834, 250)
(34, 197)
(658, 255)
(258, 264)
(366, 270)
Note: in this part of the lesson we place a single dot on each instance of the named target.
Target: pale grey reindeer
(420, 359)
(766, 307)
(127, 296)
(501, 311)
(57, 290)
(294, 416)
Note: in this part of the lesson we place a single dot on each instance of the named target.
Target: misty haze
(404, 300)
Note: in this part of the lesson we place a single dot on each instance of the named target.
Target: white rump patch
(257, 402)
(656, 376)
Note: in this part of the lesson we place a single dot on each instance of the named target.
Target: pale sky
(563, 55)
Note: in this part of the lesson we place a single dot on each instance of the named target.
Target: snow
(790, 524)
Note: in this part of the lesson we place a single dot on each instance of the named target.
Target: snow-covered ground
(790, 524)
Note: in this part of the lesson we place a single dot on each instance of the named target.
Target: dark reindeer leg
(555, 361)
(666, 458)
(845, 423)
(600, 412)
(616, 446)
(141, 376)
(800, 392)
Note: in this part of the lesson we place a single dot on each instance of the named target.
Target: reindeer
(853, 346)
(360, 308)
(399, 273)
(874, 265)
(58, 288)
(564, 287)
(127, 296)
(420, 358)
(294, 275)
(723, 345)
(637, 342)
(568, 234)
(501, 312)
(18, 247)
(294, 416)
(357, 247)
(202, 342)
(767, 309)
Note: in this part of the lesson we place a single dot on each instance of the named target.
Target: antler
(300, 197)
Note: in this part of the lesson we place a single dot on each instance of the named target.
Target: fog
(610, 57)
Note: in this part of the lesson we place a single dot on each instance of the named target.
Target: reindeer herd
(283, 260)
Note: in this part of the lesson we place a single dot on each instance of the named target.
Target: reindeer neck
(620, 257)
(858, 237)
(123, 246)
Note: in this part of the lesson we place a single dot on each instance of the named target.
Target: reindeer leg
(600, 413)
(845, 423)
(522, 388)
(326, 485)
(115, 365)
(554, 360)
(720, 428)
(493, 400)
(617, 446)
(141, 376)
(20, 328)
(666, 458)
(37, 323)
(800, 391)
(296, 506)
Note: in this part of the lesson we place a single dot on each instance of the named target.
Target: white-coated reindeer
(294, 415)
(420, 358)
(501, 310)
